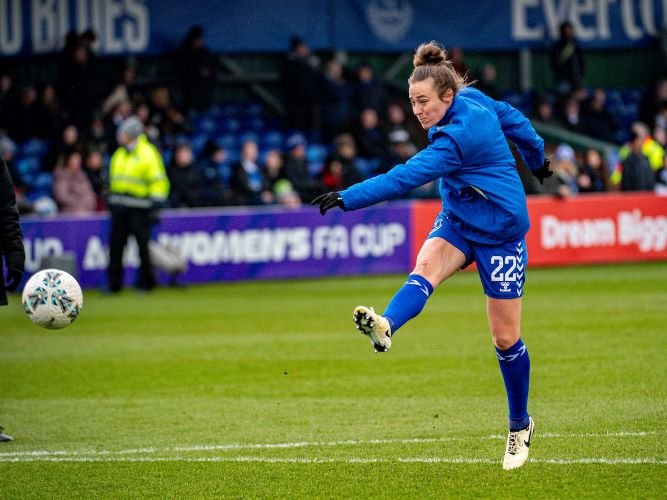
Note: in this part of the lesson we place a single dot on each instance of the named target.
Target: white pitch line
(354, 460)
(304, 444)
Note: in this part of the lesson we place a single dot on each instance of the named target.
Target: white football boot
(374, 326)
(518, 443)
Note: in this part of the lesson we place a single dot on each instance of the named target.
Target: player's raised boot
(4, 437)
(374, 326)
(518, 444)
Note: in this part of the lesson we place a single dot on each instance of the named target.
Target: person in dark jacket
(300, 83)
(637, 172)
(567, 61)
(187, 183)
(12, 254)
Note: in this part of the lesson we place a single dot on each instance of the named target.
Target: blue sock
(408, 302)
(515, 367)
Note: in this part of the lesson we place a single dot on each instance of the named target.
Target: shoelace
(513, 443)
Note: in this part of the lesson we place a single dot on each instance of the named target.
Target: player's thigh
(504, 316)
(437, 260)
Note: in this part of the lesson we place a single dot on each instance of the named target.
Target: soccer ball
(52, 298)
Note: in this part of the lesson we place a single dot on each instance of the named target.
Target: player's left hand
(328, 201)
(543, 172)
(13, 279)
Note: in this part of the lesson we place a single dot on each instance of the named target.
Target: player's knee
(429, 270)
(505, 340)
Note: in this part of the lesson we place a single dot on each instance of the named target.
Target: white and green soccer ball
(52, 298)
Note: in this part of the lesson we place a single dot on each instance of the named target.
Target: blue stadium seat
(28, 167)
(249, 136)
(204, 124)
(272, 139)
(252, 109)
(33, 147)
(316, 153)
(231, 110)
(227, 124)
(227, 141)
(225, 172)
(197, 142)
(42, 182)
(368, 167)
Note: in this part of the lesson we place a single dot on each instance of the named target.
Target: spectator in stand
(346, 152)
(660, 136)
(564, 181)
(120, 112)
(652, 102)
(649, 147)
(336, 97)
(74, 84)
(487, 81)
(185, 179)
(635, 173)
(593, 174)
(458, 61)
(95, 138)
(197, 67)
(398, 120)
(368, 92)
(143, 112)
(300, 84)
(544, 111)
(49, 108)
(297, 171)
(94, 168)
(276, 180)
(8, 100)
(168, 120)
(7, 152)
(369, 136)
(567, 61)
(26, 120)
(332, 174)
(68, 142)
(71, 188)
(216, 174)
(124, 89)
(248, 182)
(597, 121)
(572, 119)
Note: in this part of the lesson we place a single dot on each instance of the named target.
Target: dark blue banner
(157, 26)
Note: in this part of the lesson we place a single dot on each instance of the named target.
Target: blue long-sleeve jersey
(481, 191)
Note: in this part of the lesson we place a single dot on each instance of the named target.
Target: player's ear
(447, 96)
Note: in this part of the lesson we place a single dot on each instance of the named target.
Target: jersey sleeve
(440, 158)
(518, 129)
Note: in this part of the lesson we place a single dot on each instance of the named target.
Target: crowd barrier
(282, 243)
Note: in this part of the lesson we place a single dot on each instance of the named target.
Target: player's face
(427, 105)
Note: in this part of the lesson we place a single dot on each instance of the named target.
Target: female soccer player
(484, 218)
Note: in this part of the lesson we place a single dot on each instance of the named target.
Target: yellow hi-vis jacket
(137, 178)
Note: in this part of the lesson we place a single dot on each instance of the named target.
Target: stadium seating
(229, 124)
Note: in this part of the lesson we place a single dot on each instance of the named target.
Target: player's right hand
(328, 201)
(543, 172)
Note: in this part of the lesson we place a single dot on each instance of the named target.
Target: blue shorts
(502, 268)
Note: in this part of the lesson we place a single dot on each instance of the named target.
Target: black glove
(543, 172)
(13, 278)
(328, 201)
(14, 262)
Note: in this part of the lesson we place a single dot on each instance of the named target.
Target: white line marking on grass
(303, 444)
(353, 460)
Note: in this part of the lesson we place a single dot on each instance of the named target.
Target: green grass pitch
(266, 390)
